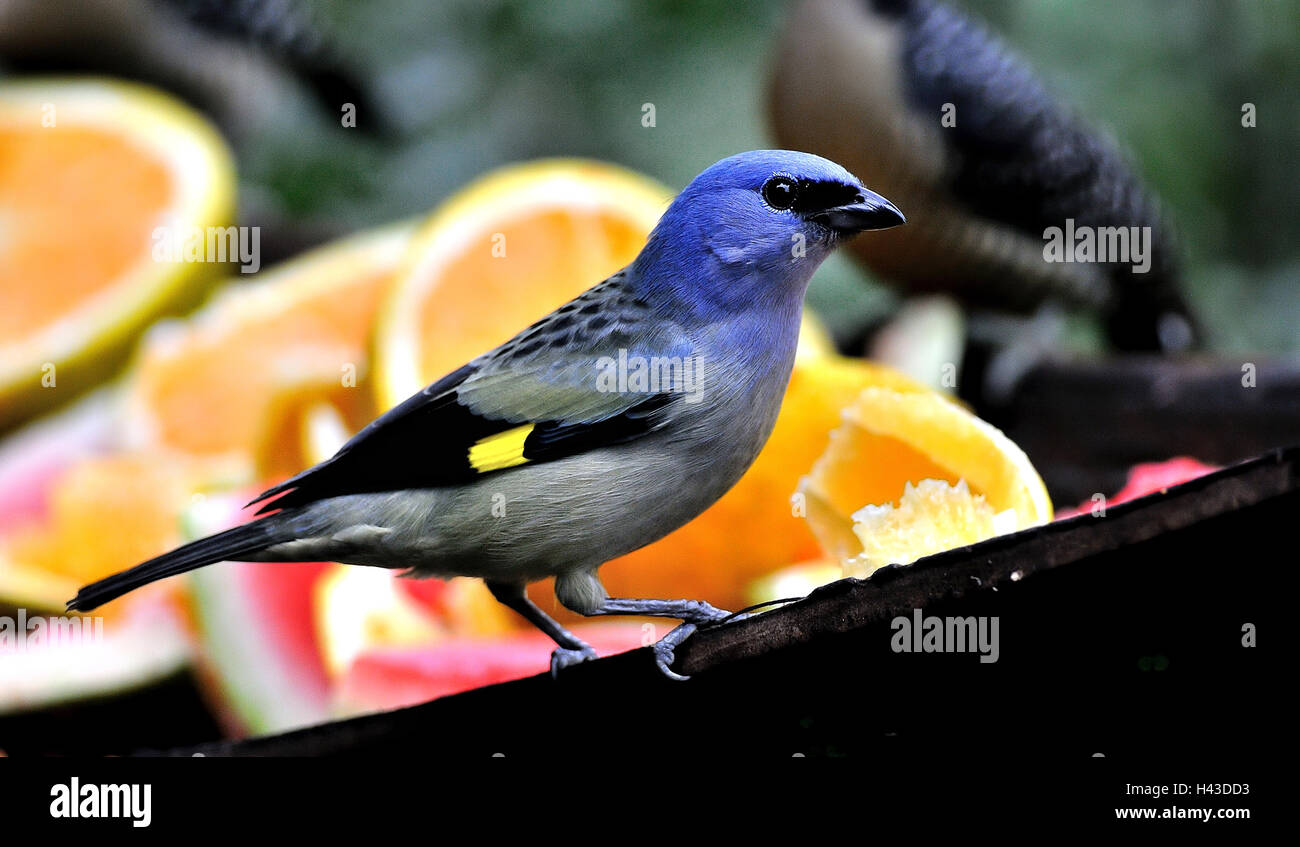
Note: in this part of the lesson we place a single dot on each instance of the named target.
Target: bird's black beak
(868, 211)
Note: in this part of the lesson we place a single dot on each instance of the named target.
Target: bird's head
(753, 227)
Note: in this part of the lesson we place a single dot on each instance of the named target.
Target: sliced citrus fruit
(889, 443)
(931, 516)
(502, 253)
(238, 375)
(756, 528)
(32, 461)
(70, 513)
(103, 514)
(92, 169)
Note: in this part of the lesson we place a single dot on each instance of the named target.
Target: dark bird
(931, 108)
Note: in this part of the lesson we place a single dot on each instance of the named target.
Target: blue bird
(603, 427)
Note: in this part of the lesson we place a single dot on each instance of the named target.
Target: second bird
(935, 110)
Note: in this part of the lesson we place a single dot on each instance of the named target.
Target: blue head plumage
(750, 230)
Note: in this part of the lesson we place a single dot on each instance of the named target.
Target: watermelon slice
(138, 646)
(1148, 478)
(31, 462)
(389, 678)
(258, 645)
(140, 641)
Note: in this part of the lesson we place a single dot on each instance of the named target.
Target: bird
(584, 460)
(933, 109)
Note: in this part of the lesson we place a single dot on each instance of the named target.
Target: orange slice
(89, 170)
(103, 514)
(756, 528)
(502, 253)
(241, 375)
(216, 401)
(911, 473)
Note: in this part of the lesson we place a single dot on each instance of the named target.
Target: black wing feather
(424, 442)
(554, 439)
(427, 434)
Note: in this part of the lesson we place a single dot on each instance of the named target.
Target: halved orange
(502, 253)
(89, 170)
(910, 473)
(239, 376)
(105, 514)
(216, 401)
(756, 528)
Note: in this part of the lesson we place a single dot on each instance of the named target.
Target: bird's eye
(780, 192)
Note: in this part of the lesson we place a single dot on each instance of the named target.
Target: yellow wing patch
(503, 450)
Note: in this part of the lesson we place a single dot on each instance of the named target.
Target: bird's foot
(665, 649)
(564, 657)
(701, 614)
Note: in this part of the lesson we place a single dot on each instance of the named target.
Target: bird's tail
(229, 545)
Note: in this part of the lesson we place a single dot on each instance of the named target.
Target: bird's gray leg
(582, 592)
(688, 611)
(692, 613)
(571, 651)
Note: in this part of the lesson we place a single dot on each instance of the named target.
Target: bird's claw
(665, 649)
(565, 657)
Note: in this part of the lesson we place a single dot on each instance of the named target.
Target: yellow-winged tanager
(593, 459)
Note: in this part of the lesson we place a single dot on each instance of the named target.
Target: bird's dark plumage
(286, 29)
(231, 544)
(981, 190)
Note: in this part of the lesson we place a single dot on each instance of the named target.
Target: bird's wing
(536, 398)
